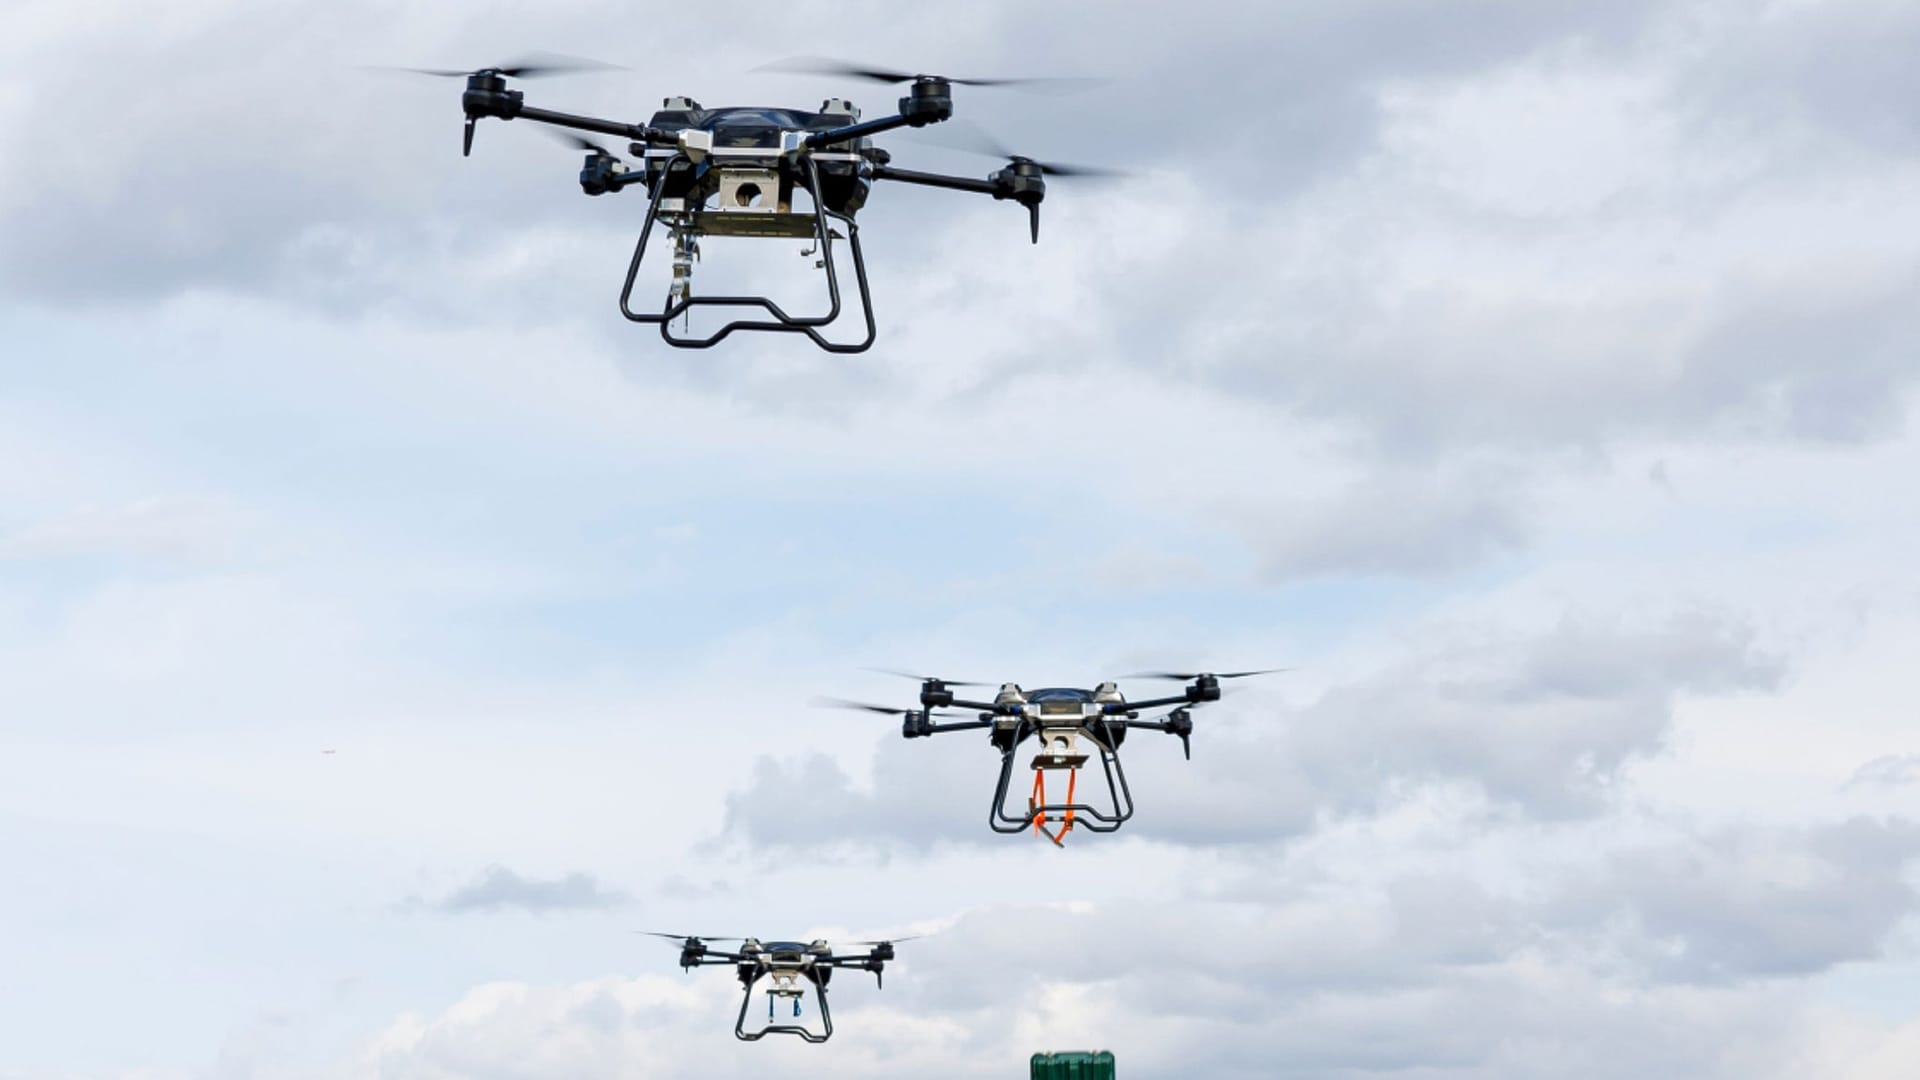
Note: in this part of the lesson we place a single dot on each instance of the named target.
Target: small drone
(785, 964)
(734, 172)
(1059, 718)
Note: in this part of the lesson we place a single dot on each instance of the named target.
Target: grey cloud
(1752, 903)
(1804, 360)
(925, 794)
(1541, 724)
(1890, 770)
(1393, 522)
(162, 529)
(1429, 975)
(1823, 368)
(345, 193)
(1834, 72)
(254, 181)
(497, 888)
(1725, 908)
(1544, 724)
(678, 887)
(1526, 1020)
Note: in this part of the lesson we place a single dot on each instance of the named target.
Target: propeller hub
(929, 100)
(1204, 688)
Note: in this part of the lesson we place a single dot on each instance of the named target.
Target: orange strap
(1039, 799)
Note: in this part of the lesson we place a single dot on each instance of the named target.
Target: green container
(1074, 1065)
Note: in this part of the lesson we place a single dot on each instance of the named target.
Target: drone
(734, 172)
(1060, 719)
(785, 965)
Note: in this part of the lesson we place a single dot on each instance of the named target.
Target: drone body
(1065, 723)
(787, 967)
(736, 172)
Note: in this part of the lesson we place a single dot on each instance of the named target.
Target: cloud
(1775, 73)
(1438, 971)
(1746, 903)
(678, 887)
(497, 888)
(166, 529)
(1397, 267)
(248, 187)
(1391, 523)
(1888, 770)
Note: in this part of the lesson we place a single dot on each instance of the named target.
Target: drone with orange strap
(1065, 722)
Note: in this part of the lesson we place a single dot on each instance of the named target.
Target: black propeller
(962, 135)
(924, 678)
(491, 80)
(820, 65)
(883, 710)
(531, 67)
(685, 939)
(1189, 676)
(1023, 177)
(579, 143)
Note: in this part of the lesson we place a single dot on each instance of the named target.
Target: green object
(1073, 1065)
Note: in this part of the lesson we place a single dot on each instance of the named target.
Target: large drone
(734, 172)
(785, 965)
(1058, 718)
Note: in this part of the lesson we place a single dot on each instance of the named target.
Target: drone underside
(728, 175)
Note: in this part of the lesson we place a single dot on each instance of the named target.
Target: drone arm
(1020, 181)
(952, 183)
(958, 725)
(987, 708)
(870, 962)
(1179, 723)
(1150, 703)
(929, 101)
(820, 139)
(634, 132)
(487, 95)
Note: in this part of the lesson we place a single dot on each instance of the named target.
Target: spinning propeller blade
(963, 135)
(923, 678)
(883, 710)
(683, 938)
(535, 66)
(821, 65)
(1189, 676)
(530, 67)
(579, 142)
(843, 703)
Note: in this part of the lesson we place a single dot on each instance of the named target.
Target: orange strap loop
(1039, 799)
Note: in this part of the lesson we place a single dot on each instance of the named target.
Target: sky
(388, 629)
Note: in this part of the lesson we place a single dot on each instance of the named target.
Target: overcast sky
(388, 628)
